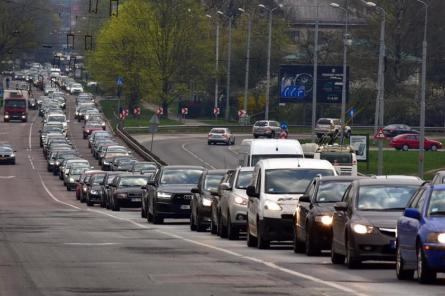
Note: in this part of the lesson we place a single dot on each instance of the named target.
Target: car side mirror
(225, 186)
(196, 190)
(151, 183)
(214, 193)
(341, 206)
(412, 213)
(305, 198)
(251, 192)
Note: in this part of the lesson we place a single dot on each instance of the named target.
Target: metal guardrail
(138, 147)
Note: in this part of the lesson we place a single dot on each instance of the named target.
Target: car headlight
(324, 219)
(6, 116)
(164, 195)
(436, 238)
(84, 189)
(106, 163)
(362, 229)
(71, 180)
(57, 162)
(12, 155)
(94, 192)
(121, 195)
(240, 201)
(271, 205)
(206, 202)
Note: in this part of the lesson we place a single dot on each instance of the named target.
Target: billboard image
(297, 81)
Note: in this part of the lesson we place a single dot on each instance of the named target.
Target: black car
(127, 191)
(122, 164)
(168, 195)
(201, 202)
(313, 216)
(392, 130)
(364, 222)
(94, 188)
(7, 154)
(143, 167)
(106, 188)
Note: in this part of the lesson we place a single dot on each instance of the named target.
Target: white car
(76, 88)
(274, 191)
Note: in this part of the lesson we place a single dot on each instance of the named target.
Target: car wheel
(298, 246)
(213, 225)
(255, 136)
(405, 147)
(148, 215)
(351, 261)
(232, 231)
(402, 274)
(233, 141)
(272, 135)
(261, 242)
(335, 257)
(250, 240)
(115, 207)
(200, 227)
(143, 212)
(68, 188)
(222, 230)
(310, 247)
(434, 148)
(209, 143)
(424, 274)
(192, 223)
(157, 219)
(89, 203)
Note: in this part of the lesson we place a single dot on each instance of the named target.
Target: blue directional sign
(352, 112)
(284, 125)
(120, 81)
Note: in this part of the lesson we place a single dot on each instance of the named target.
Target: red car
(90, 127)
(411, 141)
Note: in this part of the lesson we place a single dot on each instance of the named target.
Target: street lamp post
(315, 75)
(346, 43)
(421, 163)
(249, 32)
(229, 64)
(380, 100)
(269, 50)
(216, 63)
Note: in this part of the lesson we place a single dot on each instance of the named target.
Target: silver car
(233, 203)
(266, 128)
(221, 135)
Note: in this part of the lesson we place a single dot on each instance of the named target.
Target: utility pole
(249, 33)
(229, 64)
(315, 75)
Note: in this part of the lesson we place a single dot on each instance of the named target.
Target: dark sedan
(94, 188)
(364, 222)
(393, 130)
(7, 154)
(201, 202)
(126, 191)
(313, 216)
(168, 195)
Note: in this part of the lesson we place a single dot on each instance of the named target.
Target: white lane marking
(91, 244)
(197, 157)
(31, 162)
(7, 177)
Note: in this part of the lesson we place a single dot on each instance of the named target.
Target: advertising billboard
(296, 84)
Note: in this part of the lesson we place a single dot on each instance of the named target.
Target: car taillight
(210, 135)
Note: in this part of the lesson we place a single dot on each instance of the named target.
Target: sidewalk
(172, 116)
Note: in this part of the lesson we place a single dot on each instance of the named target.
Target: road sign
(379, 135)
(242, 113)
(119, 81)
(154, 120)
(284, 125)
(352, 112)
(185, 111)
(216, 111)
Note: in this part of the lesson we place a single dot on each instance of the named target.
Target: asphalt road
(52, 245)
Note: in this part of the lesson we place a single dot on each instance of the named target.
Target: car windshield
(97, 179)
(133, 181)
(384, 197)
(217, 131)
(56, 118)
(331, 191)
(181, 176)
(5, 150)
(212, 181)
(437, 203)
(111, 179)
(243, 179)
(258, 157)
(291, 181)
(15, 103)
(261, 123)
(78, 171)
(337, 158)
(324, 121)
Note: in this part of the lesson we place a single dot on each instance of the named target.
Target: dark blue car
(421, 235)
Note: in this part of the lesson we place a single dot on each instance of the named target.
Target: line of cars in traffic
(278, 197)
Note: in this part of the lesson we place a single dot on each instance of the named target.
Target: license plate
(185, 207)
(135, 199)
(392, 244)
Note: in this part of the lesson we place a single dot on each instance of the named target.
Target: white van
(275, 189)
(252, 150)
(343, 158)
